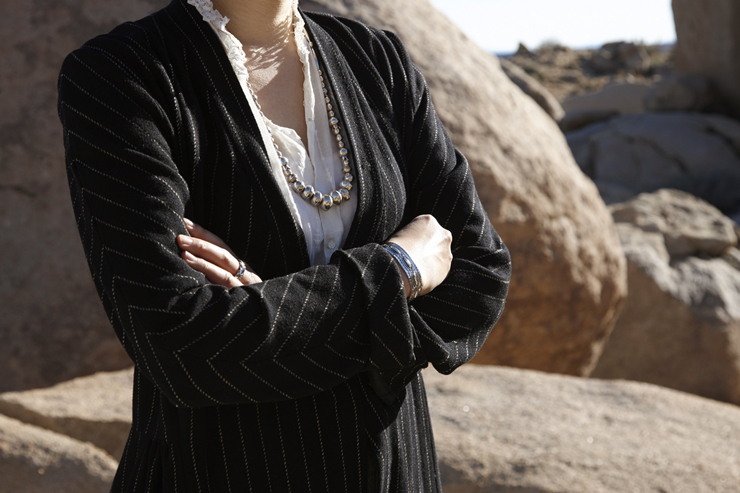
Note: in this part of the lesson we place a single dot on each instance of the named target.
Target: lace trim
(234, 47)
(299, 26)
(205, 8)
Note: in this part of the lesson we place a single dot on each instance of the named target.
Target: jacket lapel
(349, 110)
(262, 229)
(274, 250)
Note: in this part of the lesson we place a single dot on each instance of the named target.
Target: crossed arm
(290, 336)
(423, 236)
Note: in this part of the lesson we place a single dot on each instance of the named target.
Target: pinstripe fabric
(308, 381)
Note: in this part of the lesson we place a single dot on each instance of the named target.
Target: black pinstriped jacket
(310, 380)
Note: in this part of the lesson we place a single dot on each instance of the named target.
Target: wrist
(404, 277)
(411, 274)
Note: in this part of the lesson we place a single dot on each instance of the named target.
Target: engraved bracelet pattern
(408, 265)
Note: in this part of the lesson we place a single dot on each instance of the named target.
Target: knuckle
(198, 244)
(224, 257)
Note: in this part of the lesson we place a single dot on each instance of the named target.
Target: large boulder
(681, 324)
(52, 327)
(708, 43)
(34, 460)
(632, 154)
(95, 409)
(568, 270)
(512, 431)
(688, 226)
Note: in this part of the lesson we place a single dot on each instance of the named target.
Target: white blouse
(321, 166)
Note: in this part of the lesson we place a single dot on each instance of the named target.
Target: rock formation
(576, 120)
(631, 154)
(496, 429)
(681, 324)
(513, 431)
(623, 97)
(708, 43)
(533, 89)
(621, 56)
(681, 93)
(94, 409)
(34, 460)
(566, 72)
(568, 271)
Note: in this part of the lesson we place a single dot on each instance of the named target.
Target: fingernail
(188, 223)
(189, 257)
(184, 240)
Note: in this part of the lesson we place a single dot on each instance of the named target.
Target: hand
(428, 245)
(207, 253)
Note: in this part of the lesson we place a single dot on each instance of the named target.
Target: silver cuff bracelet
(408, 266)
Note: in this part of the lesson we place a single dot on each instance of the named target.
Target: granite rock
(689, 226)
(620, 56)
(680, 93)
(695, 152)
(680, 327)
(575, 120)
(512, 431)
(623, 97)
(95, 409)
(533, 89)
(34, 460)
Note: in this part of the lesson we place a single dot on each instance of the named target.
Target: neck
(258, 22)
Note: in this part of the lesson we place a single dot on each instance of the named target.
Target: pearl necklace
(304, 190)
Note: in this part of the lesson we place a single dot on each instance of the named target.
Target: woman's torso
(339, 440)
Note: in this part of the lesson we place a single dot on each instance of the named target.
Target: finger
(213, 273)
(250, 278)
(216, 275)
(205, 250)
(198, 231)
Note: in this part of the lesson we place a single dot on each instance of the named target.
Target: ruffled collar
(210, 14)
(219, 21)
(234, 47)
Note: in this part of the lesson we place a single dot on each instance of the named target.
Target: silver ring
(242, 269)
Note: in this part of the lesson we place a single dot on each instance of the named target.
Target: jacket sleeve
(449, 325)
(201, 344)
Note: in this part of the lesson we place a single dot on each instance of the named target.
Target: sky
(499, 25)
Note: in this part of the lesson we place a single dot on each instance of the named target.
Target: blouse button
(332, 244)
